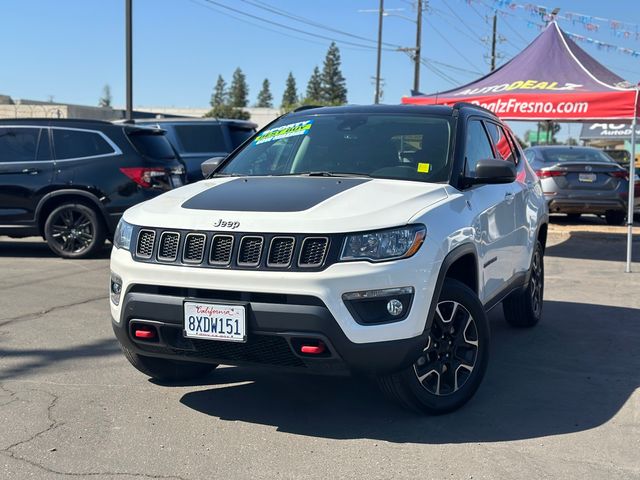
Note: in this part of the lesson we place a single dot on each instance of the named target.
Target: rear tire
(524, 308)
(450, 368)
(166, 370)
(74, 230)
(615, 217)
(573, 217)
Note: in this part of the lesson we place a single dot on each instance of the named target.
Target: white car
(359, 239)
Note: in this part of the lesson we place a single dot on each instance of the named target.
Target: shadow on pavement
(42, 357)
(572, 372)
(595, 246)
(38, 249)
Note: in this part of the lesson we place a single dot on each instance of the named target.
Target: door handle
(30, 171)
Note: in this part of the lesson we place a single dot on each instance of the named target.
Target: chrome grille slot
(250, 251)
(144, 246)
(168, 246)
(313, 251)
(221, 248)
(280, 252)
(193, 251)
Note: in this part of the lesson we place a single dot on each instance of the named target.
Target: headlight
(382, 245)
(122, 236)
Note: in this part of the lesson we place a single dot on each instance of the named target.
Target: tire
(573, 217)
(615, 217)
(524, 307)
(74, 230)
(437, 383)
(166, 370)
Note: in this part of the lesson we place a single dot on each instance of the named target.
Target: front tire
(524, 308)
(74, 230)
(615, 217)
(450, 368)
(166, 370)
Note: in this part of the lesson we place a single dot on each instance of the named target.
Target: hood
(288, 204)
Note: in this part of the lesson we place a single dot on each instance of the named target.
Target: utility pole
(129, 60)
(376, 99)
(493, 42)
(416, 72)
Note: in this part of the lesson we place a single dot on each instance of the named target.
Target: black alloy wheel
(523, 308)
(536, 283)
(451, 352)
(74, 231)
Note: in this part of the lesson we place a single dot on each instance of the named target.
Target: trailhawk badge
(226, 224)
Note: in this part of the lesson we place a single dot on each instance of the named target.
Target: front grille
(144, 247)
(250, 251)
(265, 349)
(280, 252)
(194, 248)
(168, 247)
(313, 251)
(221, 248)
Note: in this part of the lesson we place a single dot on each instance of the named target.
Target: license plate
(176, 181)
(587, 177)
(215, 322)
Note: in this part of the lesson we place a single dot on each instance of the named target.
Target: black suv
(71, 180)
(199, 139)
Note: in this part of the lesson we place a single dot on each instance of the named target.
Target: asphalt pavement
(559, 401)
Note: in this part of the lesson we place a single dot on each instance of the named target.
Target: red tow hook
(313, 349)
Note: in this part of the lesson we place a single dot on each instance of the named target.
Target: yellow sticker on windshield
(424, 167)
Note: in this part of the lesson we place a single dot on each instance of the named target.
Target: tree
(239, 90)
(290, 96)
(219, 95)
(334, 90)
(105, 100)
(265, 99)
(314, 88)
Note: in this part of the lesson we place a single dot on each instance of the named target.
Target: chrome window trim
(324, 254)
(242, 240)
(168, 259)
(184, 247)
(153, 243)
(293, 250)
(233, 240)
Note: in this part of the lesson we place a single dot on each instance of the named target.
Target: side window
(18, 144)
(44, 146)
(239, 135)
(501, 142)
(477, 146)
(78, 144)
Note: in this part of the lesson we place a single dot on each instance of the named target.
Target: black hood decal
(271, 194)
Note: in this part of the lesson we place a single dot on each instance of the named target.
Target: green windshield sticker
(285, 131)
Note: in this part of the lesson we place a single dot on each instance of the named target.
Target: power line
(453, 47)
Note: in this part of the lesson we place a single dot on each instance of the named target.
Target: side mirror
(208, 166)
(493, 171)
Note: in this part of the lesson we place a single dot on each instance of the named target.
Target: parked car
(578, 180)
(199, 139)
(321, 246)
(621, 157)
(70, 180)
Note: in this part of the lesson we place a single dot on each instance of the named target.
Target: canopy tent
(551, 79)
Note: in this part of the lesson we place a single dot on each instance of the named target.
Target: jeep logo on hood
(226, 224)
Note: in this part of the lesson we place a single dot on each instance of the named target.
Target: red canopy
(551, 79)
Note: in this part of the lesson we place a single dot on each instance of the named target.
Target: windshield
(556, 155)
(407, 147)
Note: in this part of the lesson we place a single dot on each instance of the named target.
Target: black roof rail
(55, 120)
(459, 105)
(301, 108)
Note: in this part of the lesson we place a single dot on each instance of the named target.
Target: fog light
(115, 288)
(394, 307)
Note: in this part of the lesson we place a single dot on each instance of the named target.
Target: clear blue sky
(71, 48)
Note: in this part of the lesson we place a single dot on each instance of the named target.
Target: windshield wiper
(333, 174)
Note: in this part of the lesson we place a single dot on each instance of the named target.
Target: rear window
(556, 155)
(200, 138)
(152, 144)
(239, 135)
(18, 144)
(79, 144)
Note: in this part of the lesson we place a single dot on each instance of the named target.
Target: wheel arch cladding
(57, 198)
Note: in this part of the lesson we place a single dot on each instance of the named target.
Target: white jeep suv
(359, 239)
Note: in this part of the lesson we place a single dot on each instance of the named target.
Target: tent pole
(632, 176)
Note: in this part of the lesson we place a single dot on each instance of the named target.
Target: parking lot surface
(559, 401)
